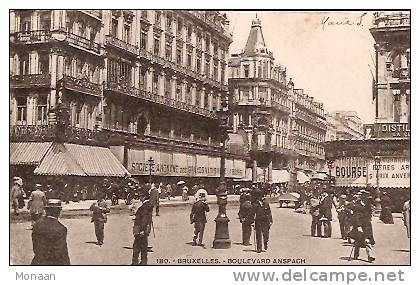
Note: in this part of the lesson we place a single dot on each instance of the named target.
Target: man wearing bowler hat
(260, 215)
(49, 237)
(141, 229)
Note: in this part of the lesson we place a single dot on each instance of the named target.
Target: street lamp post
(151, 163)
(221, 236)
(330, 165)
(378, 192)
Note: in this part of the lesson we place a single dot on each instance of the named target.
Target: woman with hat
(36, 204)
(386, 212)
(17, 195)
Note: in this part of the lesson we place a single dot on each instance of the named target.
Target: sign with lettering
(393, 172)
(361, 171)
(392, 130)
(181, 164)
(350, 171)
(387, 130)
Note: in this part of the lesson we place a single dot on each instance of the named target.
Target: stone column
(161, 90)
(202, 95)
(53, 71)
(173, 88)
(13, 26)
(106, 20)
(149, 78)
(270, 172)
(254, 171)
(193, 93)
(137, 75)
(120, 28)
(183, 90)
(210, 103)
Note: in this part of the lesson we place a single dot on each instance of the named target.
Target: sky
(329, 61)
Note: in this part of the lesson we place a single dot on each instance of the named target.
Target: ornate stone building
(381, 159)
(265, 109)
(146, 83)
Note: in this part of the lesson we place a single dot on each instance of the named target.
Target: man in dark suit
(141, 229)
(198, 218)
(325, 207)
(261, 216)
(49, 238)
(99, 210)
(154, 198)
(244, 209)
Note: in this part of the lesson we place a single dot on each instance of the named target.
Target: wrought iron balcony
(181, 69)
(50, 133)
(81, 42)
(82, 85)
(382, 20)
(31, 37)
(97, 14)
(32, 133)
(31, 81)
(123, 88)
(120, 44)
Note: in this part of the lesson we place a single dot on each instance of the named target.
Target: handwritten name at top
(328, 21)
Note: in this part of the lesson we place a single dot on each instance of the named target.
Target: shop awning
(320, 176)
(280, 176)
(58, 161)
(28, 153)
(302, 177)
(96, 161)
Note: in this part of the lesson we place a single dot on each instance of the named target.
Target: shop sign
(387, 130)
(360, 171)
(181, 164)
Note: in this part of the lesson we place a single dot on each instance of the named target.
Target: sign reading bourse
(181, 164)
(360, 171)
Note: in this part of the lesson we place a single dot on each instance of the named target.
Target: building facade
(146, 83)
(282, 128)
(381, 159)
(343, 125)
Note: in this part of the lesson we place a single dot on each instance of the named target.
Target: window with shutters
(41, 110)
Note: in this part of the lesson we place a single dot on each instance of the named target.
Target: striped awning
(58, 161)
(96, 161)
(28, 153)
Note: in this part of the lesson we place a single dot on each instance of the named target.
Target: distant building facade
(343, 125)
(283, 128)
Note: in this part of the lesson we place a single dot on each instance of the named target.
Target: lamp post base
(221, 237)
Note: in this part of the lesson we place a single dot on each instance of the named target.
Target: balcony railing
(94, 13)
(155, 98)
(117, 43)
(82, 42)
(82, 85)
(181, 69)
(49, 133)
(382, 20)
(33, 133)
(31, 37)
(31, 81)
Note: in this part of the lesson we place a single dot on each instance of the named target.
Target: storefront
(170, 167)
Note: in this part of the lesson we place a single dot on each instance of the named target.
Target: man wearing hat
(261, 216)
(325, 207)
(198, 217)
(17, 194)
(99, 210)
(36, 204)
(49, 237)
(244, 209)
(343, 215)
(141, 229)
